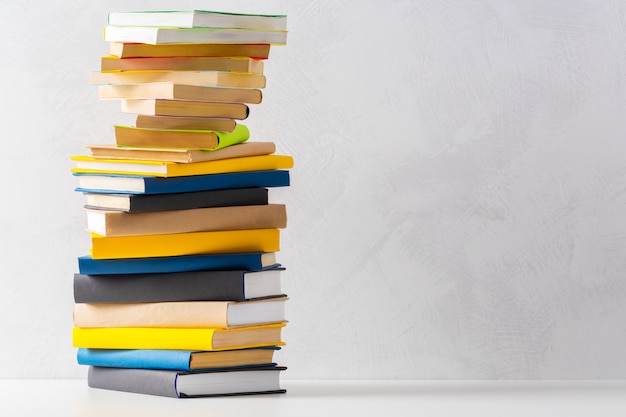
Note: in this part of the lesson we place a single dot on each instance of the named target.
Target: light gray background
(458, 202)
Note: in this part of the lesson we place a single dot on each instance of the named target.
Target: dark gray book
(181, 384)
(178, 286)
(135, 203)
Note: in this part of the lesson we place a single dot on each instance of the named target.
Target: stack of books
(181, 294)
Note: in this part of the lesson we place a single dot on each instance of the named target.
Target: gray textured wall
(458, 202)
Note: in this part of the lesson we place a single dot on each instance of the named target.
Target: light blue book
(178, 360)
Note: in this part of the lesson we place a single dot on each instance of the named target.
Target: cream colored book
(181, 314)
(171, 91)
(215, 78)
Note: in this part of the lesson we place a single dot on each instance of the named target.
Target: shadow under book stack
(181, 293)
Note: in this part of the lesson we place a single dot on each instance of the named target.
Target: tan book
(112, 63)
(160, 107)
(185, 123)
(171, 91)
(118, 223)
(143, 50)
(111, 151)
(216, 78)
(181, 314)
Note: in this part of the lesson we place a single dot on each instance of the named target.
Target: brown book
(171, 91)
(111, 151)
(159, 107)
(142, 50)
(215, 78)
(111, 63)
(117, 223)
(185, 123)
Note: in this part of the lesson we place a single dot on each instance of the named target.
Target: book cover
(186, 123)
(198, 18)
(172, 264)
(177, 338)
(176, 360)
(135, 184)
(181, 314)
(180, 384)
(156, 35)
(111, 151)
(88, 164)
(172, 91)
(198, 285)
(176, 244)
(142, 50)
(141, 203)
(231, 64)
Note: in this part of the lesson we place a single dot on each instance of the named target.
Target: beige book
(115, 223)
(112, 151)
(159, 107)
(185, 123)
(215, 78)
(181, 314)
(171, 91)
(137, 50)
(234, 64)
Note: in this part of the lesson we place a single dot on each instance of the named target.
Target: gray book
(181, 384)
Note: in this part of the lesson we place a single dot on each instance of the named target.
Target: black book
(135, 203)
(178, 286)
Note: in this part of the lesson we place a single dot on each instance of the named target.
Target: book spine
(139, 381)
(175, 360)
(162, 287)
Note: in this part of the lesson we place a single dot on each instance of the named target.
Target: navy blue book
(235, 261)
(134, 184)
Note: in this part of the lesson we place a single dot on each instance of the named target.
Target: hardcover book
(180, 384)
(136, 184)
(198, 338)
(206, 219)
(181, 314)
(141, 203)
(177, 244)
(203, 285)
(170, 264)
(176, 360)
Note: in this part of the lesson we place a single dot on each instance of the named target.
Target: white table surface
(329, 397)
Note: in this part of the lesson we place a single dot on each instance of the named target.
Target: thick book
(172, 91)
(177, 138)
(141, 203)
(159, 107)
(204, 285)
(214, 78)
(88, 164)
(136, 184)
(171, 264)
(232, 64)
(198, 18)
(143, 50)
(181, 314)
(205, 219)
(176, 360)
(156, 35)
(181, 155)
(180, 384)
(199, 338)
(177, 244)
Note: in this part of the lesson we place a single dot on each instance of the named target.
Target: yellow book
(178, 244)
(204, 339)
(88, 164)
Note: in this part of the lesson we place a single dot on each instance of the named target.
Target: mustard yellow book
(178, 244)
(204, 339)
(144, 50)
(88, 164)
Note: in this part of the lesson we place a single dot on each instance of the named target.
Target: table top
(570, 398)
